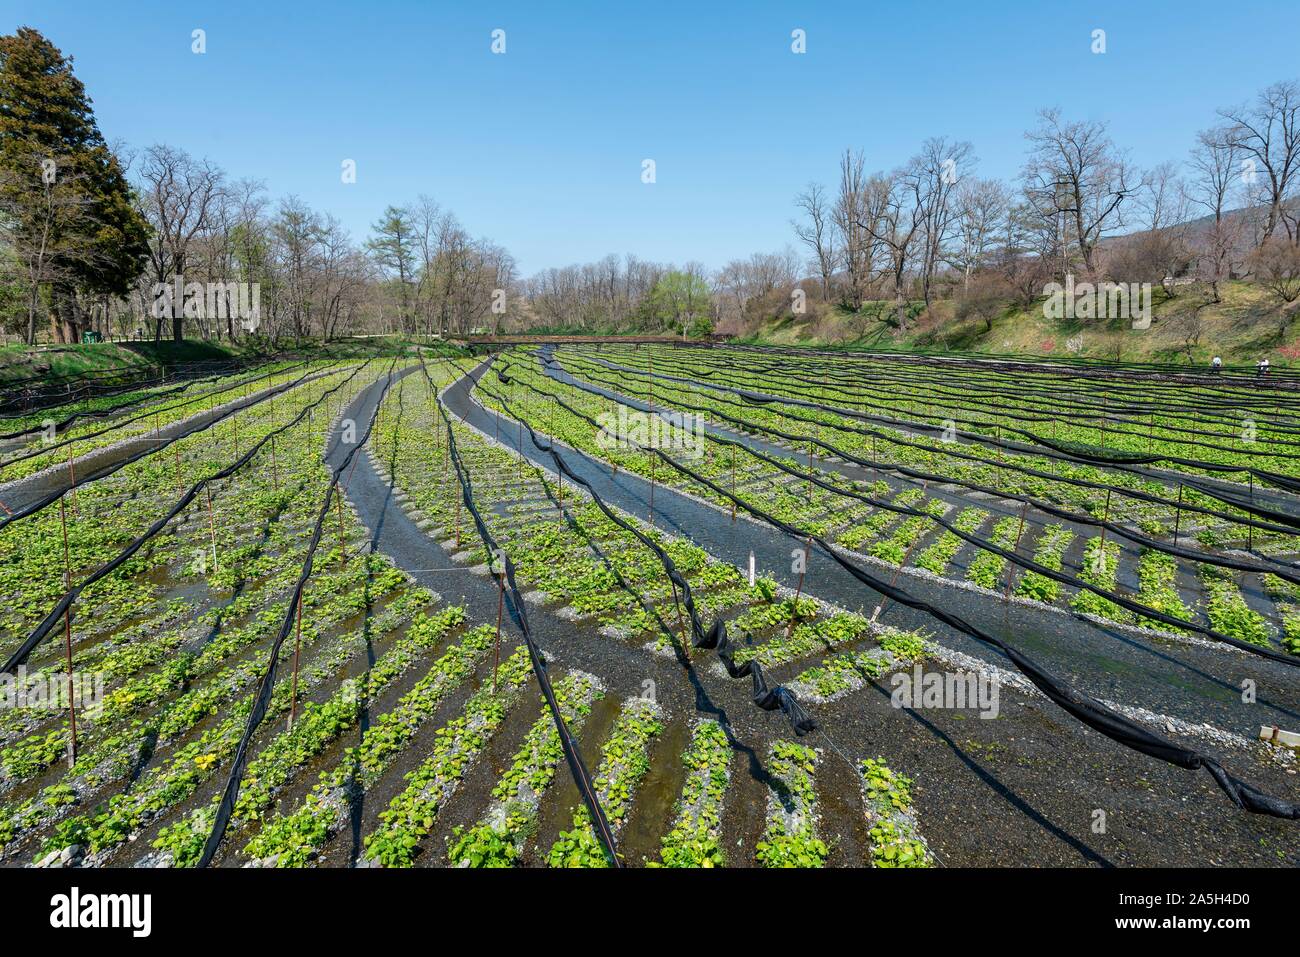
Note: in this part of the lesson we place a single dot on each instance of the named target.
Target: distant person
(1216, 365)
(1261, 367)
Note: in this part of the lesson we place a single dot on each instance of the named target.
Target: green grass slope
(1186, 328)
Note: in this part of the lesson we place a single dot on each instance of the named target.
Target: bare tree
(1267, 136)
(1213, 166)
(848, 215)
(816, 232)
(249, 243)
(895, 216)
(979, 216)
(985, 298)
(179, 195)
(1276, 265)
(342, 273)
(297, 230)
(934, 175)
(1075, 174)
(1161, 203)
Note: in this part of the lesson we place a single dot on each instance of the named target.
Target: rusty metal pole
(67, 636)
(275, 467)
(72, 480)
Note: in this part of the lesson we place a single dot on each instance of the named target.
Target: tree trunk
(31, 316)
(65, 316)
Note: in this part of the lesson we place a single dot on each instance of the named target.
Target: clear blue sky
(541, 149)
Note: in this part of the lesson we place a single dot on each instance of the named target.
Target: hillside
(1246, 325)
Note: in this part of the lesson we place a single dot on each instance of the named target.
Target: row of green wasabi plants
(196, 398)
(845, 673)
(157, 791)
(265, 521)
(32, 561)
(552, 553)
(316, 725)
(1286, 597)
(624, 761)
(1228, 611)
(499, 838)
(936, 557)
(791, 838)
(295, 838)
(1049, 551)
(695, 837)
(411, 814)
(891, 820)
(986, 568)
(1100, 565)
(1154, 518)
(919, 402)
(1158, 580)
(189, 657)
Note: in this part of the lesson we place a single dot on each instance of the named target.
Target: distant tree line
(883, 245)
(932, 227)
(89, 234)
(91, 231)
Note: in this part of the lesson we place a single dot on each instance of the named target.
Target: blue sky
(541, 148)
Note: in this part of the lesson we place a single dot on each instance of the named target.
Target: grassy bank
(1185, 329)
(139, 358)
(142, 359)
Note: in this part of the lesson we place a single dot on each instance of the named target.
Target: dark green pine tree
(66, 209)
